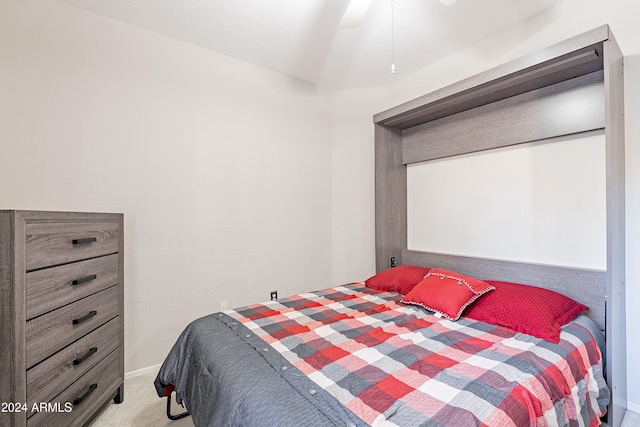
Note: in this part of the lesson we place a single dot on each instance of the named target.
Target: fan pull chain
(393, 65)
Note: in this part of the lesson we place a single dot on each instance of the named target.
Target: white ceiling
(303, 38)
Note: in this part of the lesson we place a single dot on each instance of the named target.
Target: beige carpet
(141, 407)
(631, 419)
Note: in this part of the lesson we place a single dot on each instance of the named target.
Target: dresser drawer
(57, 286)
(55, 330)
(83, 397)
(46, 379)
(49, 244)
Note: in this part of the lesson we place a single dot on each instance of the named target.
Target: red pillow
(400, 279)
(527, 309)
(446, 292)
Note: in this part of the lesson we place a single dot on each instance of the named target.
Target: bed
(341, 356)
(357, 356)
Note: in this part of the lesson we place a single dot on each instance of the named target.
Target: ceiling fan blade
(355, 13)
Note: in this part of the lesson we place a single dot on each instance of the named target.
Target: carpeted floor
(142, 407)
(631, 419)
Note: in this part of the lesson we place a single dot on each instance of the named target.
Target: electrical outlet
(274, 295)
(223, 305)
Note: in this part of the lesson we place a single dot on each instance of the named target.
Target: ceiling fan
(357, 9)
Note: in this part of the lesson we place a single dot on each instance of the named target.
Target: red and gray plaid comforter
(392, 364)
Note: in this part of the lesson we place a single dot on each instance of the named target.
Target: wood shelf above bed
(572, 58)
(509, 105)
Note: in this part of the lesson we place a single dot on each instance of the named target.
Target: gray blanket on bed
(234, 385)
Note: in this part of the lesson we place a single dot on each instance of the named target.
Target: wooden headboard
(510, 105)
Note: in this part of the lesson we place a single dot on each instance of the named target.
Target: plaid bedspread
(397, 365)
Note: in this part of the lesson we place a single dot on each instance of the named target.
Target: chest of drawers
(61, 316)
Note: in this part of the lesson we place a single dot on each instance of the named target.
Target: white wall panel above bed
(539, 202)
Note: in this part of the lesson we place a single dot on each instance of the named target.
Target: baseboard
(633, 407)
(142, 371)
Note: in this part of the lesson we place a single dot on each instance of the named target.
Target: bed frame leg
(177, 416)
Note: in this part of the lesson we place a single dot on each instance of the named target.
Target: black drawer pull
(84, 318)
(79, 400)
(84, 279)
(88, 354)
(84, 241)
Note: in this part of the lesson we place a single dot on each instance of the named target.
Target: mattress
(354, 356)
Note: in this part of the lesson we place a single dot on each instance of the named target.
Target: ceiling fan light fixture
(355, 13)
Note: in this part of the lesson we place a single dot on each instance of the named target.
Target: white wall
(570, 18)
(222, 169)
(536, 202)
(353, 207)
